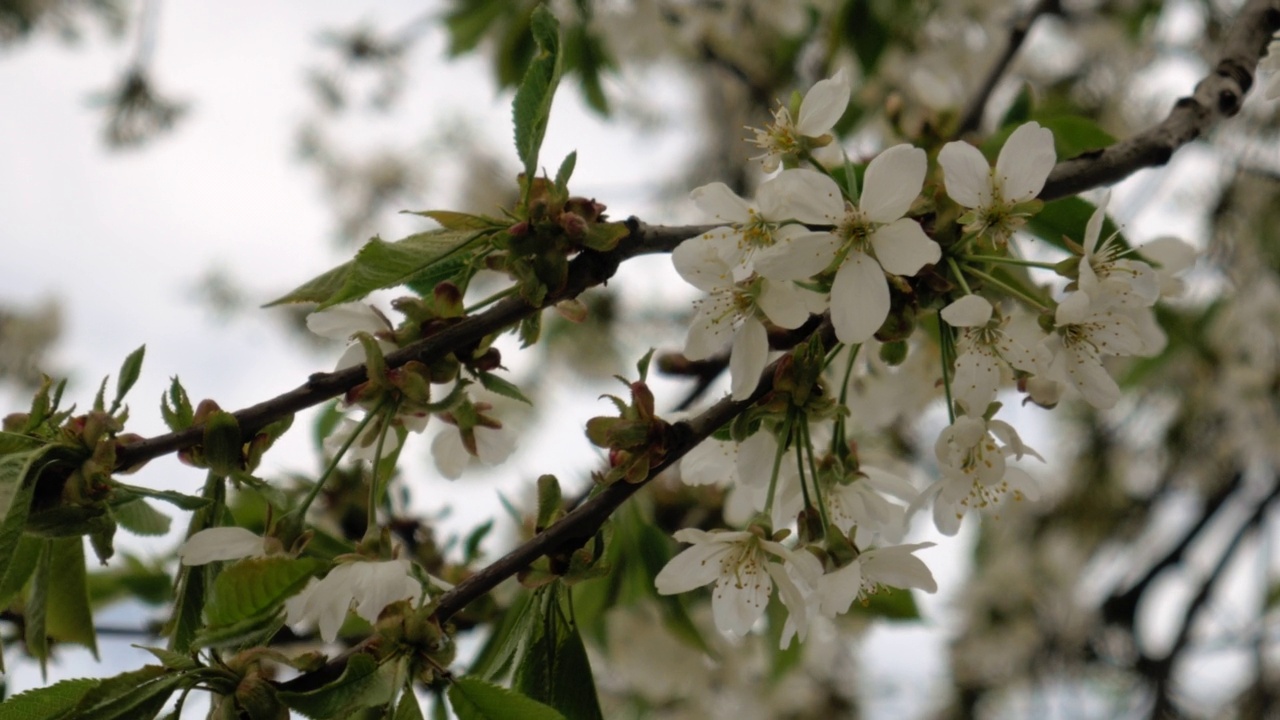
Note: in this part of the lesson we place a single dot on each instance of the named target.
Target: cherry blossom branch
(1219, 95)
(581, 523)
(972, 116)
(586, 270)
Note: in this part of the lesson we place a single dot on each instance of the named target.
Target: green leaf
(364, 683)
(128, 375)
(501, 386)
(318, 289)
(457, 220)
(554, 669)
(471, 546)
(475, 699)
(223, 443)
(47, 703)
(147, 582)
(469, 21)
(170, 659)
(531, 108)
(140, 518)
(408, 707)
(18, 472)
(134, 695)
(1020, 109)
(175, 407)
(15, 442)
(566, 171)
(35, 614)
(252, 586)
(179, 500)
(68, 617)
(22, 564)
(254, 630)
(381, 264)
(503, 645)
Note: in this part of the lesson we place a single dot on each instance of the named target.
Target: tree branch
(580, 524)
(972, 116)
(587, 270)
(1217, 96)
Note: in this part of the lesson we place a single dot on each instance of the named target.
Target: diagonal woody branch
(587, 270)
(1219, 95)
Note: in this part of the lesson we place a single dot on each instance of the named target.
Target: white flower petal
(340, 322)
(383, 583)
(755, 459)
(494, 445)
(838, 589)
(804, 195)
(968, 311)
(1025, 162)
(710, 462)
(782, 303)
(892, 182)
(711, 329)
(694, 567)
(824, 104)
(896, 566)
(450, 455)
(219, 544)
(902, 247)
(701, 263)
(721, 203)
(1093, 229)
(797, 257)
(859, 299)
(966, 174)
(747, 359)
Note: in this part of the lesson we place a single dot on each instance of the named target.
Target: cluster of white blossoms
(476, 436)
(360, 584)
(806, 245)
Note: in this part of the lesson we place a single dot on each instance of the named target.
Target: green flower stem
(777, 464)
(1017, 292)
(804, 490)
(491, 299)
(955, 270)
(948, 355)
(333, 464)
(1009, 261)
(813, 473)
(838, 437)
(375, 492)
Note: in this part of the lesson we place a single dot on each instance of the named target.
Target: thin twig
(587, 270)
(1018, 31)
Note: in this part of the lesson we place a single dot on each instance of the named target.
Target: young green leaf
(129, 372)
(408, 708)
(364, 683)
(475, 699)
(18, 473)
(175, 407)
(68, 616)
(140, 518)
(531, 108)
(566, 171)
(135, 695)
(252, 586)
(501, 386)
(51, 702)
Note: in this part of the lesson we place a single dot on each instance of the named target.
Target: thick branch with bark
(1218, 96)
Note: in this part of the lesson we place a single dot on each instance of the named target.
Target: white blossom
(869, 239)
(863, 503)
(493, 447)
(1086, 334)
(368, 585)
(1108, 279)
(220, 544)
(982, 351)
(971, 454)
(342, 322)
(744, 568)
(993, 194)
(820, 110)
(753, 227)
(891, 566)
(732, 312)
